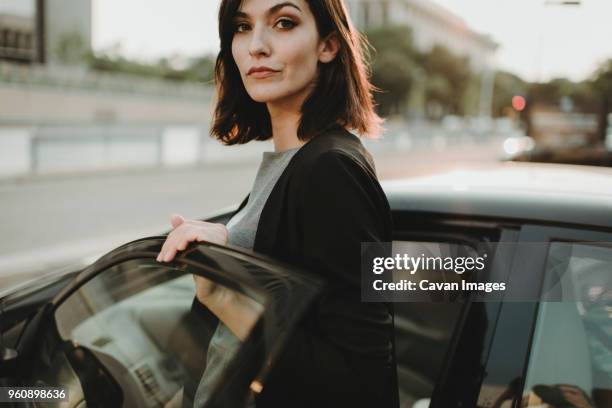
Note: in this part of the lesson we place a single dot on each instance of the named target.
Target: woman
(293, 71)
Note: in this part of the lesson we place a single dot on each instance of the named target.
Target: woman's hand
(186, 231)
(237, 311)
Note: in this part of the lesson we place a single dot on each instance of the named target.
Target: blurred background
(105, 108)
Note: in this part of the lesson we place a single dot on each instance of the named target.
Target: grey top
(241, 232)
(243, 226)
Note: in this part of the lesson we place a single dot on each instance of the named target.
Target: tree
(71, 49)
(393, 74)
(393, 67)
(397, 65)
(550, 93)
(585, 100)
(438, 95)
(602, 85)
(506, 86)
(200, 69)
(440, 63)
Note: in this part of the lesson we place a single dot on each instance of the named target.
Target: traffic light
(519, 103)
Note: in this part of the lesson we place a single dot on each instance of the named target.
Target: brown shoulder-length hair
(342, 95)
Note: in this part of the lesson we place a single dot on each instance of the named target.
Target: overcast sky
(536, 41)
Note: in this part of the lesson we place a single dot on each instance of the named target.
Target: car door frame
(517, 320)
(452, 228)
(549, 234)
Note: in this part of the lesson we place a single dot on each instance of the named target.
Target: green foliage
(70, 49)
(197, 70)
(447, 85)
(506, 85)
(393, 66)
(448, 78)
(585, 100)
(393, 74)
(471, 97)
(602, 82)
(550, 93)
(398, 69)
(392, 38)
(202, 69)
(438, 89)
(602, 85)
(584, 95)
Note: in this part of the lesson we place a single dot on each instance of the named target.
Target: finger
(176, 220)
(164, 248)
(170, 243)
(169, 256)
(180, 239)
(187, 236)
(181, 246)
(161, 252)
(177, 240)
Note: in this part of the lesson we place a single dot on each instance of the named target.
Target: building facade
(45, 31)
(18, 40)
(431, 24)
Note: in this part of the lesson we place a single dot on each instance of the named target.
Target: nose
(259, 45)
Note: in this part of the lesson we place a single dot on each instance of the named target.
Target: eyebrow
(272, 9)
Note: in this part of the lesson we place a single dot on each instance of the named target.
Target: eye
(240, 27)
(285, 24)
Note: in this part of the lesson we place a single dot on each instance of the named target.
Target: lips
(261, 71)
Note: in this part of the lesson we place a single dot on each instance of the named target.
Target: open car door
(127, 332)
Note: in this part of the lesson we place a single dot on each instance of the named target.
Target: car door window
(131, 338)
(423, 330)
(570, 364)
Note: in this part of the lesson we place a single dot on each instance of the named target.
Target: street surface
(50, 221)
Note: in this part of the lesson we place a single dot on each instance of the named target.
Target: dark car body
(584, 155)
(460, 353)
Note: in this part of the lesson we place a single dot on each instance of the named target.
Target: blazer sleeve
(342, 205)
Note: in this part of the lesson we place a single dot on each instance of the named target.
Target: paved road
(47, 222)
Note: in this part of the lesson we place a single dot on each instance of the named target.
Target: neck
(285, 118)
(284, 130)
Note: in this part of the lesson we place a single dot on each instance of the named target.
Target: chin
(265, 96)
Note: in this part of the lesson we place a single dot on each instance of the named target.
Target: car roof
(549, 193)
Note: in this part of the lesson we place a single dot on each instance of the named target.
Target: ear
(328, 48)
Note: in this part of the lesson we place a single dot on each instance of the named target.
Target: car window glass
(423, 329)
(571, 355)
(134, 337)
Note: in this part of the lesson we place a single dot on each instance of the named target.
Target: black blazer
(325, 203)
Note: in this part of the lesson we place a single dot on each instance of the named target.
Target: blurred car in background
(585, 155)
(565, 138)
(122, 332)
(517, 145)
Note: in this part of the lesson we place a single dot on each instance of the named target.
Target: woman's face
(276, 47)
